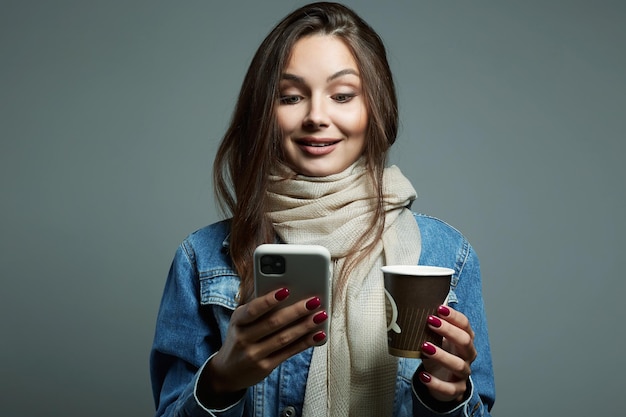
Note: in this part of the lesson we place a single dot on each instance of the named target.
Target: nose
(317, 115)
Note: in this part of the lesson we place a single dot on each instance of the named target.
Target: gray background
(513, 121)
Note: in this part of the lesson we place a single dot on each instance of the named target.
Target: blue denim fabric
(200, 295)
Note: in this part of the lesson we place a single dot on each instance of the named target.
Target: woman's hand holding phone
(261, 335)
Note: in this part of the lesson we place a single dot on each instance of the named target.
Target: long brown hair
(253, 140)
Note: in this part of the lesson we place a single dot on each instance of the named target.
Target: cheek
(357, 117)
(287, 120)
(363, 123)
(285, 126)
(357, 123)
(280, 120)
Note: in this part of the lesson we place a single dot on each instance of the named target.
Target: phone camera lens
(272, 264)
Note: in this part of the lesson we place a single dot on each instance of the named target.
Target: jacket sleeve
(481, 389)
(184, 341)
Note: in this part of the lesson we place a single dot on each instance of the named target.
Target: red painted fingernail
(313, 303)
(281, 294)
(320, 317)
(318, 337)
(428, 349)
(434, 321)
(424, 377)
(443, 311)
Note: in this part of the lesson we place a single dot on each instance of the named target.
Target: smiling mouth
(317, 144)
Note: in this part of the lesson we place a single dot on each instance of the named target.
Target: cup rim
(418, 270)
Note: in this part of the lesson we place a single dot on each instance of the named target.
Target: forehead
(320, 52)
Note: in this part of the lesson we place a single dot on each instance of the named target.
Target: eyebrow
(300, 80)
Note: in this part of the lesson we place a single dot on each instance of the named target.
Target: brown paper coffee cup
(413, 292)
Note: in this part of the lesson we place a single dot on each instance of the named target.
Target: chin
(311, 172)
(321, 170)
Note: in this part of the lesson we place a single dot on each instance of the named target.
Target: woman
(303, 161)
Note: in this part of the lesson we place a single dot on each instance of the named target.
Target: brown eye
(343, 98)
(290, 99)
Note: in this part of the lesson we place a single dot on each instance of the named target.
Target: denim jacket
(200, 295)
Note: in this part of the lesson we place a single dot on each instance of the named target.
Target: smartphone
(303, 269)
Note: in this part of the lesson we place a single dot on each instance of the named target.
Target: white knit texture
(353, 374)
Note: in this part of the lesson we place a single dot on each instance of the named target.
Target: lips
(317, 143)
(317, 146)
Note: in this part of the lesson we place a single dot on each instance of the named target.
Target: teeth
(318, 145)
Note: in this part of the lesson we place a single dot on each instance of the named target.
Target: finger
(286, 324)
(445, 364)
(455, 318)
(461, 339)
(443, 390)
(253, 310)
(285, 343)
(302, 344)
(266, 364)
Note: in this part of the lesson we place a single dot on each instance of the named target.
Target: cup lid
(418, 270)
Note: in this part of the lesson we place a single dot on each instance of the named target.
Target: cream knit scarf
(353, 374)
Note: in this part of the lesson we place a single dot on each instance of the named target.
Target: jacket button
(288, 411)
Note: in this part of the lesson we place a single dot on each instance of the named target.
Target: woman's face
(321, 113)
